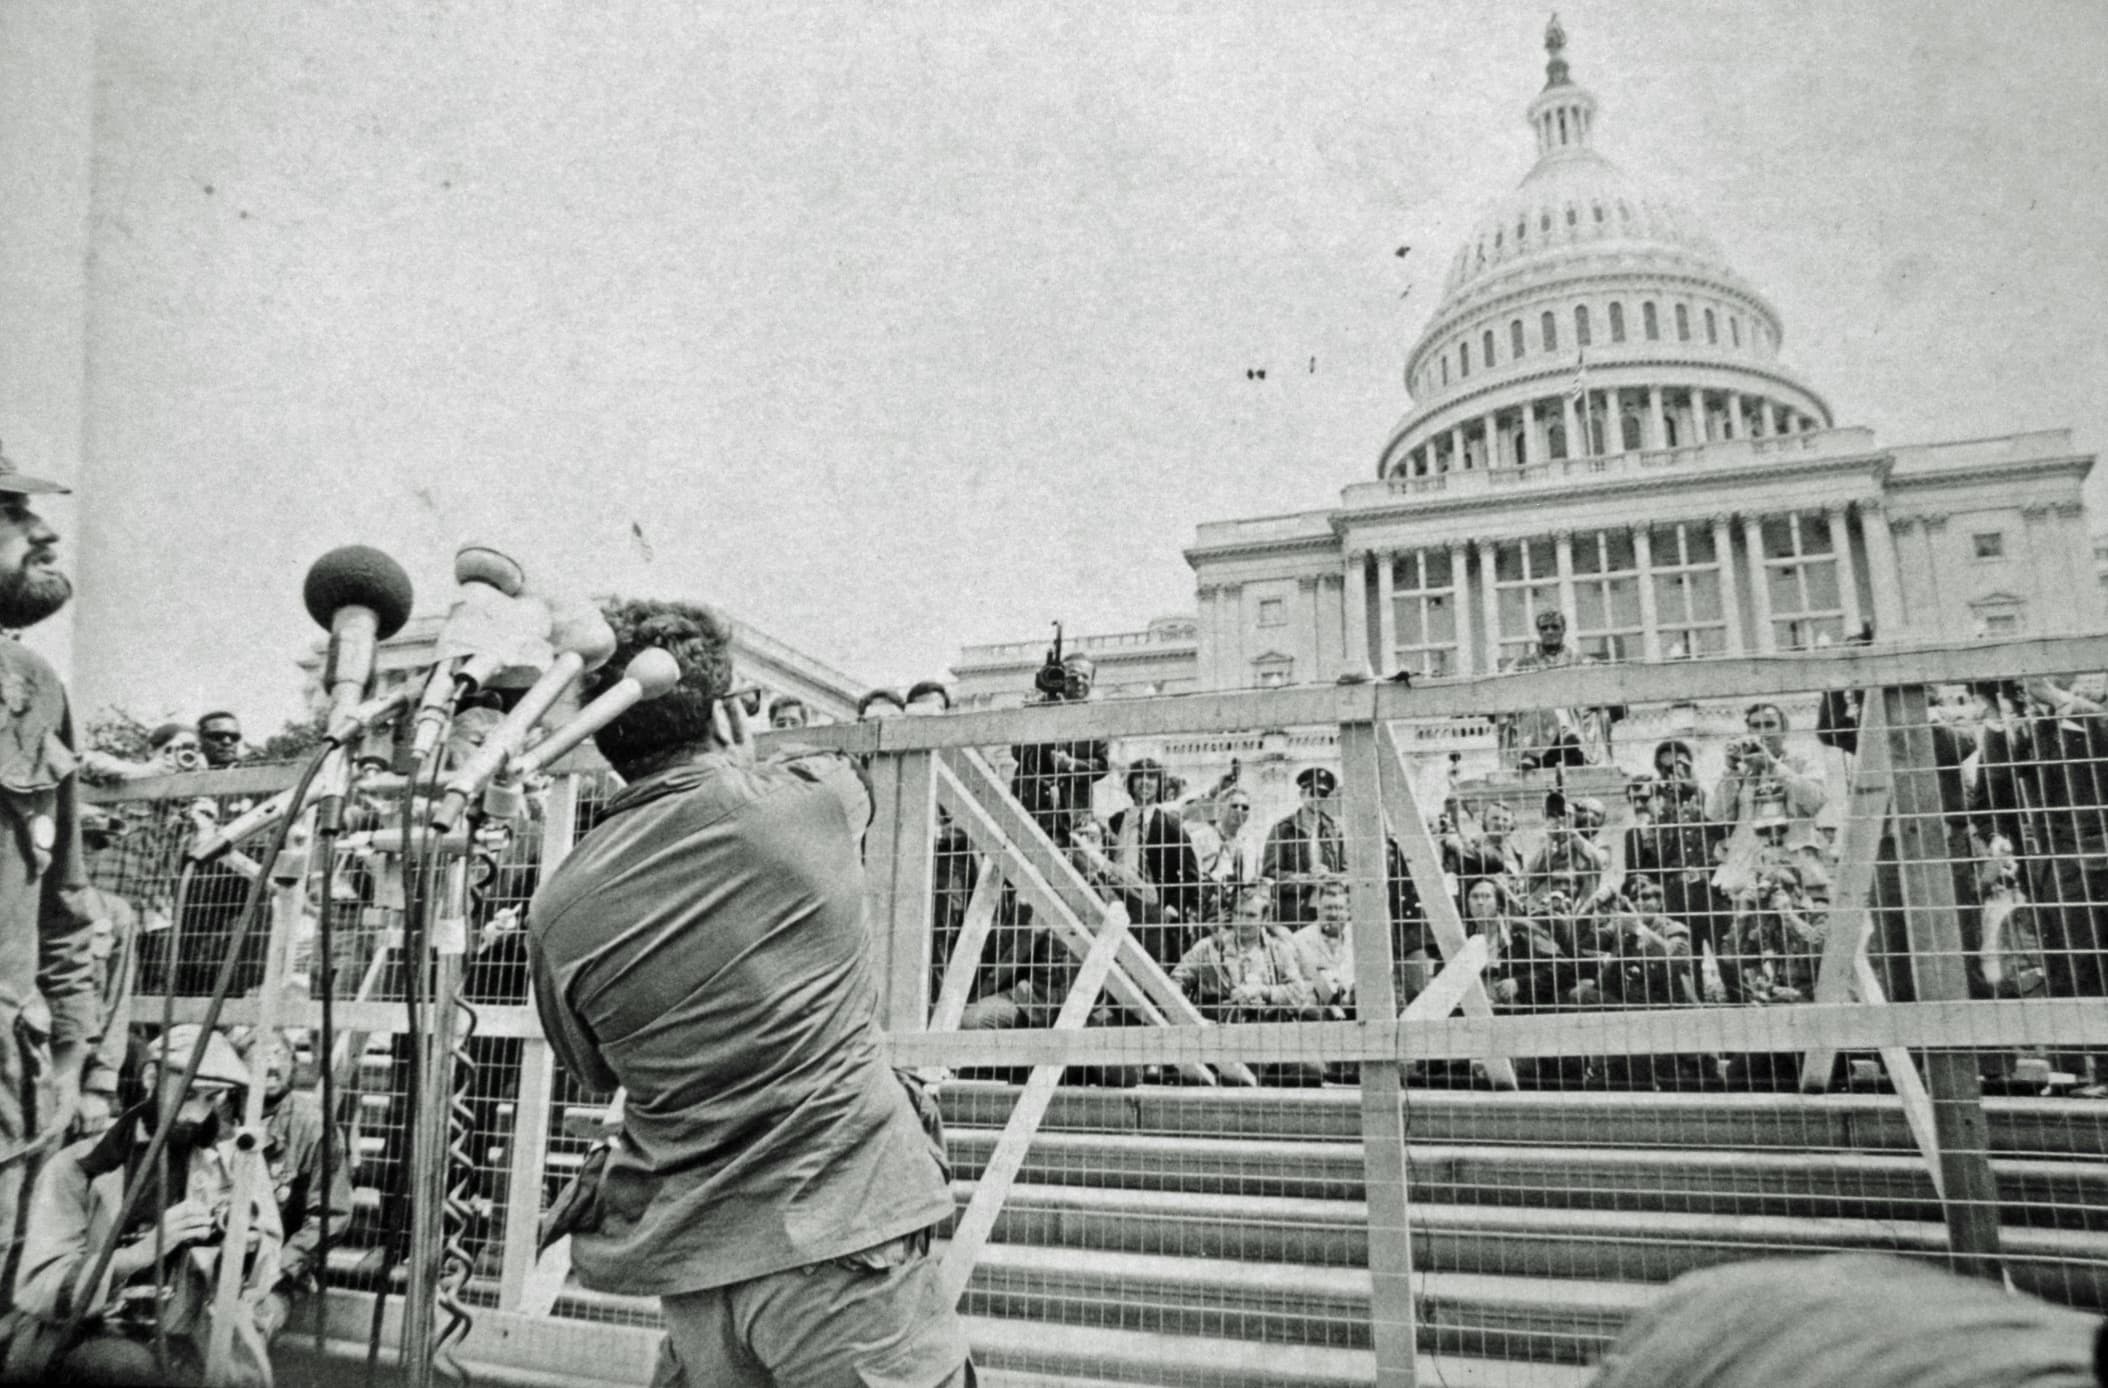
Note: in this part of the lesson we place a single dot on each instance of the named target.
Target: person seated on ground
(1245, 973)
(1302, 845)
(1149, 839)
(1649, 952)
(1492, 850)
(1777, 943)
(1525, 967)
(1229, 848)
(1113, 881)
(77, 1197)
(1028, 988)
(293, 1156)
(1674, 847)
(1572, 848)
(1325, 950)
(1851, 1320)
(1768, 796)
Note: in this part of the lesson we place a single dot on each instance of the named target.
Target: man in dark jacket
(1303, 848)
(705, 949)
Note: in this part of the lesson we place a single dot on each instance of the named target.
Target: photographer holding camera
(80, 1191)
(1767, 800)
(1054, 779)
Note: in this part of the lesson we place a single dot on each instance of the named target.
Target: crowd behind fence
(1705, 892)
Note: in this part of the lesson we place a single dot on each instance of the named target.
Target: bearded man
(50, 1013)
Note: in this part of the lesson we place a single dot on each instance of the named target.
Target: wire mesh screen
(1423, 1046)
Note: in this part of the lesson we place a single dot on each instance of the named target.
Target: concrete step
(1624, 1246)
(1513, 1318)
(1039, 1354)
(2036, 1192)
(1741, 1121)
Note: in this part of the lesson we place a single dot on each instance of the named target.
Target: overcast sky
(895, 327)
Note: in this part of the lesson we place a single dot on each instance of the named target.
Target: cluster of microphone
(498, 635)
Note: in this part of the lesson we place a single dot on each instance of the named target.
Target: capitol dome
(1589, 314)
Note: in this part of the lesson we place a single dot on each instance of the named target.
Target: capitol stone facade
(1604, 422)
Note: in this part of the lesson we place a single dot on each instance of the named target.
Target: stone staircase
(1218, 1237)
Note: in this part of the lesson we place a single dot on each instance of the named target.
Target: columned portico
(1847, 578)
(1386, 612)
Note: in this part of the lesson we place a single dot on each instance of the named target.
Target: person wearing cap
(1557, 735)
(50, 1012)
(78, 1196)
(220, 739)
(1300, 846)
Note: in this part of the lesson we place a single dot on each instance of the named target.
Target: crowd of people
(1714, 890)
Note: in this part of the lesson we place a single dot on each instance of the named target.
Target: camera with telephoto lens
(1052, 678)
(1742, 749)
(187, 759)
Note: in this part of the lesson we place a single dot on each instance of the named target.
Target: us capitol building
(1603, 423)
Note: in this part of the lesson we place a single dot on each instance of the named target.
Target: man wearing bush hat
(49, 1013)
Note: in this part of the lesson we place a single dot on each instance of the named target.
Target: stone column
(1760, 590)
(1643, 557)
(1540, 448)
(1386, 612)
(1456, 448)
(1460, 601)
(1701, 427)
(1355, 628)
(1847, 579)
(1324, 609)
(1937, 620)
(1563, 540)
(1492, 425)
(1210, 635)
(1730, 603)
(1576, 446)
(1759, 418)
(1489, 599)
(1657, 422)
(1882, 577)
(2082, 608)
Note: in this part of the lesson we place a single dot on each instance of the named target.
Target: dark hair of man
(786, 702)
(217, 713)
(677, 723)
(1754, 709)
(923, 688)
(878, 696)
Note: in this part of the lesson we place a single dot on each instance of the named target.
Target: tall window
(1486, 348)
(1683, 323)
(1685, 572)
(1424, 604)
(1445, 370)
(1548, 325)
(1515, 339)
(1555, 439)
(1712, 328)
(1800, 573)
(1606, 616)
(1525, 583)
(1650, 322)
(1629, 431)
(1617, 322)
(1734, 330)
(1581, 333)
(1463, 359)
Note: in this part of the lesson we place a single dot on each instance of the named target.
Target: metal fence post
(529, 1150)
(1393, 1319)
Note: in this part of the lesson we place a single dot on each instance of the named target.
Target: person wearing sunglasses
(220, 738)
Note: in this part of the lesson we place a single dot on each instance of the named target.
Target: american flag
(1578, 387)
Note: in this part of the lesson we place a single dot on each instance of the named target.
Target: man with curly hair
(704, 948)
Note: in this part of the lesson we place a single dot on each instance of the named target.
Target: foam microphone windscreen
(482, 564)
(358, 576)
(578, 626)
(655, 671)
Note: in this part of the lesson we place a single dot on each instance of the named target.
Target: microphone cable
(157, 1144)
(396, 1235)
(457, 1212)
